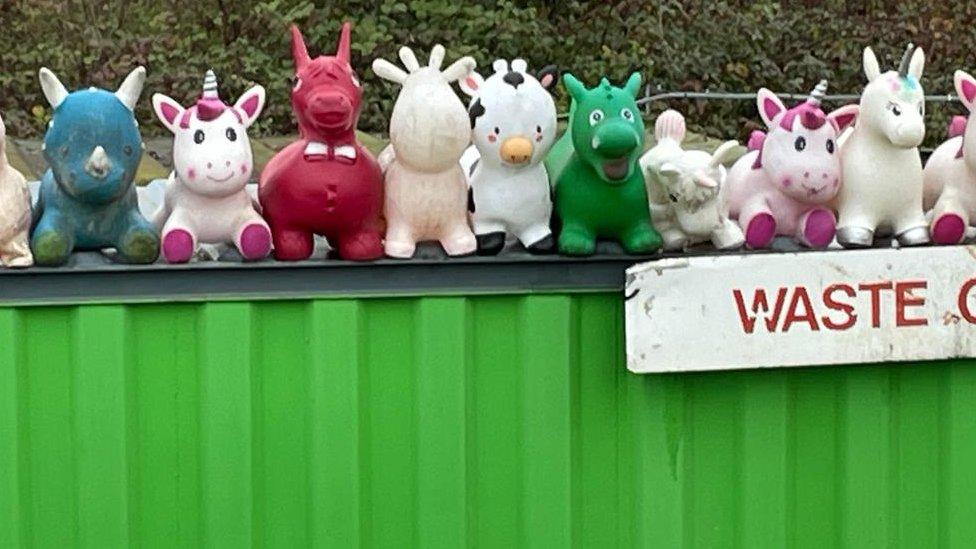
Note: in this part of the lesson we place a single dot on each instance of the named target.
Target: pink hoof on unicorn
(950, 174)
(784, 185)
(205, 198)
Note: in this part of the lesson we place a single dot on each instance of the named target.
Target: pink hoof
(761, 230)
(177, 246)
(819, 228)
(255, 242)
(949, 228)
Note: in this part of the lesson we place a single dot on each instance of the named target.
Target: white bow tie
(315, 148)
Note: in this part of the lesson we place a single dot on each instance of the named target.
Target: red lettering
(759, 303)
(834, 305)
(964, 301)
(793, 316)
(904, 298)
(875, 290)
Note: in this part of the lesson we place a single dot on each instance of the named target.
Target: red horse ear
(342, 49)
(299, 53)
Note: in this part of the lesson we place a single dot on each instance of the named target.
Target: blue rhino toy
(87, 200)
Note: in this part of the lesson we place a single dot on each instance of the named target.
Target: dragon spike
(906, 60)
(210, 85)
(817, 95)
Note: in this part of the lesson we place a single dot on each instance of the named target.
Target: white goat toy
(685, 189)
(513, 126)
(426, 191)
(882, 168)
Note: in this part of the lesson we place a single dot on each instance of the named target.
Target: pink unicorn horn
(209, 106)
(818, 93)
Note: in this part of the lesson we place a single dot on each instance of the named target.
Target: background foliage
(727, 45)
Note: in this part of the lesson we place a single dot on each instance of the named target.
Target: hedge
(678, 45)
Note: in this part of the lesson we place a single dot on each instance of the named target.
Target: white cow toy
(15, 211)
(513, 125)
(950, 174)
(881, 164)
(684, 189)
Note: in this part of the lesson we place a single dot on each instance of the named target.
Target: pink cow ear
(966, 88)
(250, 105)
(471, 83)
(167, 110)
(769, 106)
(844, 116)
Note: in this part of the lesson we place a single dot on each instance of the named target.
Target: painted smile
(813, 191)
(220, 180)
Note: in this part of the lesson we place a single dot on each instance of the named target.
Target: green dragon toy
(598, 186)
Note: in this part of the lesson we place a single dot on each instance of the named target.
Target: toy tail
(670, 125)
(756, 139)
(957, 126)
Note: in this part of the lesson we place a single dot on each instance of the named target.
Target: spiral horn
(817, 95)
(906, 60)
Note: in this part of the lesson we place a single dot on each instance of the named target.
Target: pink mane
(207, 109)
(811, 118)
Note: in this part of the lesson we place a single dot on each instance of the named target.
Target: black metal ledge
(95, 277)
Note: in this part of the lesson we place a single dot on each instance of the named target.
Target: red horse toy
(325, 183)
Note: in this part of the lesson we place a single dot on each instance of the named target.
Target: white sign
(798, 309)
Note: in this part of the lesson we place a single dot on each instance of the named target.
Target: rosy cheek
(492, 138)
(191, 174)
(243, 168)
(787, 181)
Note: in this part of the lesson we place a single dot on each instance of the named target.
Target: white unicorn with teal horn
(882, 188)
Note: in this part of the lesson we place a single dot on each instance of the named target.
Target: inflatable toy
(882, 168)
(785, 184)
(598, 186)
(513, 122)
(15, 212)
(426, 191)
(950, 174)
(326, 182)
(87, 200)
(205, 200)
(685, 189)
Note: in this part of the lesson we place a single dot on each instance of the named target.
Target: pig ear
(548, 76)
(844, 116)
(471, 83)
(769, 106)
(299, 53)
(871, 67)
(168, 111)
(965, 88)
(250, 105)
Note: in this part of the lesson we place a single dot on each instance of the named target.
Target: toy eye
(921, 108)
(538, 129)
(296, 83)
(673, 197)
(800, 143)
(497, 131)
(595, 117)
(355, 79)
(895, 109)
(627, 114)
(231, 134)
(198, 136)
(127, 150)
(830, 146)
(64, 151)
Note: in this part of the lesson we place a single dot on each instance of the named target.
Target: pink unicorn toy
(784, 185)
(205, 199)
(950, 174)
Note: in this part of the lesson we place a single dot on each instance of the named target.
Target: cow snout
(516, 150)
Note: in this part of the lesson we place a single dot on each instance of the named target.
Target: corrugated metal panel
(445, 421)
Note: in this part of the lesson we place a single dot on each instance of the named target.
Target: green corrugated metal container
(473, 420)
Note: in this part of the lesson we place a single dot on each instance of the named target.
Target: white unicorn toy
(685, 188)
(426, 191)
(882, 188)
(205, 199)
(950, 174)
(513, 125)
